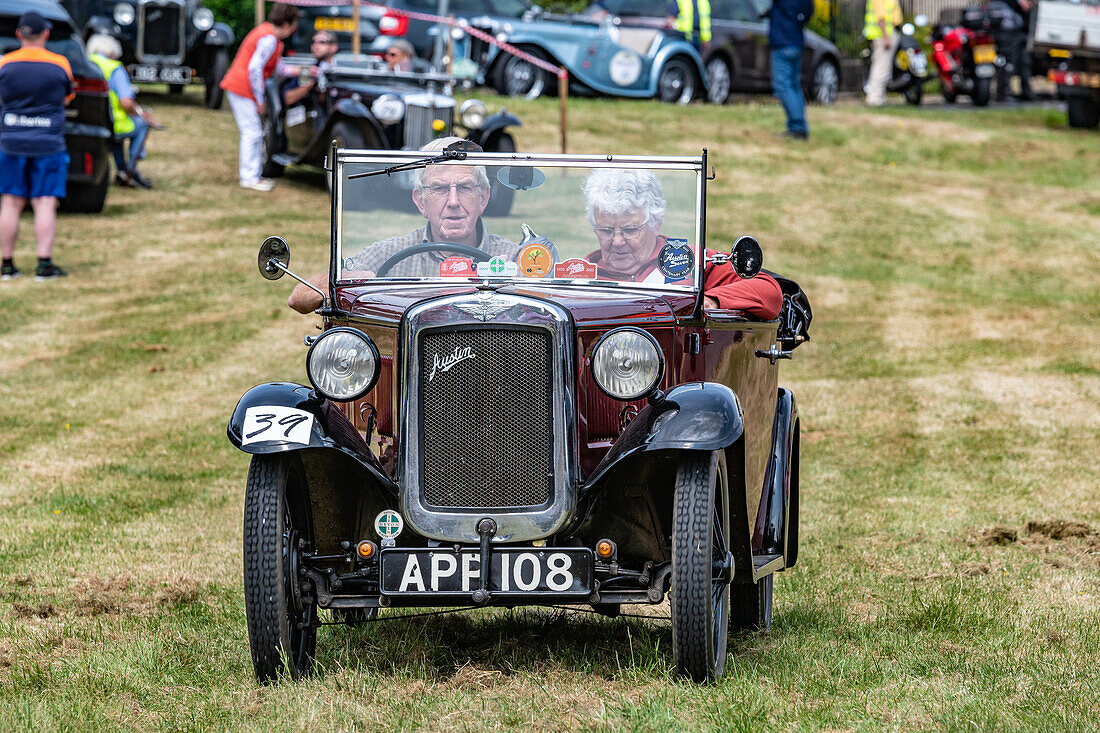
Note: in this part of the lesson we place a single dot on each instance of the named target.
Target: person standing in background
(255, 61)
(35, 86)
(879, 22)
(692, 18)
(787, 18)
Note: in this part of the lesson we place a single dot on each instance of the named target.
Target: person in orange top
(35, 86)
(244, 83)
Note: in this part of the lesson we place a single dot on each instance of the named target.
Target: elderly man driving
(626, 209)
(452, 198)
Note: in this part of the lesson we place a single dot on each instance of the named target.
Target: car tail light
(88, 84)
(392, 24)
(89, 164)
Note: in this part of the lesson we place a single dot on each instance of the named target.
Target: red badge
(575, 268)
(457, 267)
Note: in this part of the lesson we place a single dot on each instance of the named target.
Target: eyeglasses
(323, 40)
(441, 190)
(632, 231)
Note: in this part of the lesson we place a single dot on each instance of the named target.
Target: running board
(765, 565)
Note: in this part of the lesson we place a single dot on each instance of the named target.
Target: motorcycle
(910, 64)
(966, 54)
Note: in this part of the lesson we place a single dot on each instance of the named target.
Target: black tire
(751, 605)
(676, 83)
(500, 196)
(86, 199)
(268, 146)
(949, 95)
(1083, 112)
(825, 83)
(281, 622)
(719, 80)
(176, 88)
(913, 93)
(980, 95)
(214, 73)
(519, 78)
(700, 594)
(348, 135)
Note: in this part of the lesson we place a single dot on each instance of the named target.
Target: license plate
(340, 25)
(985, 55)
(918, 64)
(162, 74)
(515, 571)
(984, 71)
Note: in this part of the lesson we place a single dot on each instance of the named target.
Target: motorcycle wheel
(913, 93)
(949, 95)
(981, 92)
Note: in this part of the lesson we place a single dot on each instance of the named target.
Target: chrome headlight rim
(473, 113)
(376, 360)
(124, 13)
(654, 384)
(203, 19)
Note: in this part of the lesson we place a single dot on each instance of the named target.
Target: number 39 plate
(515, 571)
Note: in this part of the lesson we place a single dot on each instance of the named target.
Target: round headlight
(627, 363)
(342, 364)
(124, 14)
(203, 19)
(388, 109)
(472, 113)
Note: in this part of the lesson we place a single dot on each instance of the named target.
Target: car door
(737, 25)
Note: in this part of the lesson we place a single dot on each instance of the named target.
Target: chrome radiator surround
(488, 310)
(157, 52)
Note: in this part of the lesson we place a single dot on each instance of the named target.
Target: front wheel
(719, 81)
(500, 196)
(282, 628)
(520, 78)
(913, 93)
(213, 80)
(676, 82)
(701, 566)
(826, 83)
(981, 95)
(949, 93)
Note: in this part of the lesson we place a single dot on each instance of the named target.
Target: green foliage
(239, 14)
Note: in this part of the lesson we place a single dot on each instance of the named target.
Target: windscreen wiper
(449, 153)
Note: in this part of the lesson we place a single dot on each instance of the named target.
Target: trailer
(1069, 32)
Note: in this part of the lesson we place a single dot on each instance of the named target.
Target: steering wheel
(474, 253)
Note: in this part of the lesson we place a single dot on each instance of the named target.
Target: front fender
(102, 24)
(667, 51)
(220, 35)
(493, 124)
(350, 110)
(696, 416)
(330, 428)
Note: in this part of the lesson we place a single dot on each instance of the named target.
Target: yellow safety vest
(123, 123)
(685, 21)
(888, 10)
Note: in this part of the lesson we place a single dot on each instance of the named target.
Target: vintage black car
(360, 103)
(88, 126)
(523, 429)
(173, 42)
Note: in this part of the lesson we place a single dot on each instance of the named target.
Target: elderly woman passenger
(626, 209)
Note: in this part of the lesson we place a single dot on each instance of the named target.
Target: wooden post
(563, 96)
(259, 11)
(355, 40)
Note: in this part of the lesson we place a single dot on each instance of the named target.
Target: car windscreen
(560, 220)
(643, 8)
(61, 40)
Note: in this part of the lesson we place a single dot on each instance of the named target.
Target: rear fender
(776, 531)
(330, 429)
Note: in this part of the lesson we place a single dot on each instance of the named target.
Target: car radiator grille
(418, 124)
(162, 30)
(486, 437)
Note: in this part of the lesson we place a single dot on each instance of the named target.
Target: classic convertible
(527, 429)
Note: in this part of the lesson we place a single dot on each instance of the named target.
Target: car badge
(535, 260)
(388, 524)
(446, 363)
(497, 267)
(675, 260)
(457, 267)
(485, 308)
(575, 269)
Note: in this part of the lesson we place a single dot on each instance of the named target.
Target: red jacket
(236, 79)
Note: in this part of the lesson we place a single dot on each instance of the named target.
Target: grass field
(949, 576)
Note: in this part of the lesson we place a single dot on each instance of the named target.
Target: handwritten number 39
(290, 422)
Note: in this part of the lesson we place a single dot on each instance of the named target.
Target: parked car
(524, 430)
(89, 130)
(601, 57)
(422, 33)
(335, 19)
(173, 42)
(361, 103)
(739, 59)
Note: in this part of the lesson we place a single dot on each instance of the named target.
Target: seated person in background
(131, 121)
(626, 209)
(452, 199)
(324, 46)
(400, 55)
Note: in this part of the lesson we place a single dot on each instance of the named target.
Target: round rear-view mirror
(521, 177)
(747, 257)
(273, 250)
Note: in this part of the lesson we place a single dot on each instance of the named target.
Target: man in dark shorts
(35, 86)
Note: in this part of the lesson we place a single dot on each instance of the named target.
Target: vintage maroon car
(489, 429)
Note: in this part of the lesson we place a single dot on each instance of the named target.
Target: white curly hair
(616, 191)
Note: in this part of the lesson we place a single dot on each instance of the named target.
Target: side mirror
(274, 258)
(747, 257)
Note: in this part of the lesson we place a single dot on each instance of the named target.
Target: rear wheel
(86, 198)
(218, 66)
(980, 96)
(1083, 112)
(949, 95)
(676, 82)
(277, 527)
(719, 81)
(826, 82)
(751, 605)
(176, 88)
(701, 566)
(913, 93)
(518, 77)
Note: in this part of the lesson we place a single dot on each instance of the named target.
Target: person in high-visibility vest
(879, 24)
(131, 119)
(692, 18)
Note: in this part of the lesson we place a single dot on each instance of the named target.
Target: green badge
(496, 265)
(388, 524)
